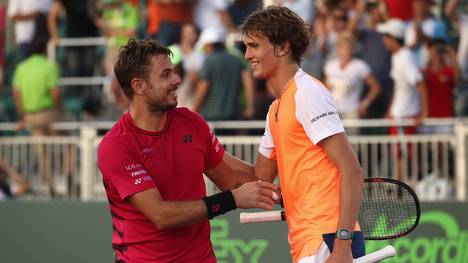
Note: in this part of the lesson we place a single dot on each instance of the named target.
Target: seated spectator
(12, 185)
(346, 77)
(222, 77)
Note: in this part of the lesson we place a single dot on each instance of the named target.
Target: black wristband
(219, 204)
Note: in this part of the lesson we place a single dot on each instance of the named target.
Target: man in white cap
(221, 78)
(409, 91)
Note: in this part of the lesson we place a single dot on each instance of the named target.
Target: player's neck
(144, 120)
(280, 79)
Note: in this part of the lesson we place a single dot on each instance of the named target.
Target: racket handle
(258, 217)
(386, 252)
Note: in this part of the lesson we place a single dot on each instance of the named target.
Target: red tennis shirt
(172, 160)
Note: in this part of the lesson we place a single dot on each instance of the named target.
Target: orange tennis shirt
(304, 114)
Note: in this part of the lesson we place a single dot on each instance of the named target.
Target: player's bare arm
(340, 153)
(172, 214)
(265, 169)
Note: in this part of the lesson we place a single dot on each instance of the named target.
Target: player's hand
(341, 252)
(256, 195)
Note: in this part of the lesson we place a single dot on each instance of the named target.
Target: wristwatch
(344, 234)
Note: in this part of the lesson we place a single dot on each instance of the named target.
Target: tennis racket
(389, 209)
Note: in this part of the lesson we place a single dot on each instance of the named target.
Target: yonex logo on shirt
(187, 138)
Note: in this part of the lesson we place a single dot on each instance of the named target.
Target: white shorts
(322, 254)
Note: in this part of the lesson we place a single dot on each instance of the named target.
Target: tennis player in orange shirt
(305, 143)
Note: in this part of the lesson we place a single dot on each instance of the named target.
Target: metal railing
(434, 163)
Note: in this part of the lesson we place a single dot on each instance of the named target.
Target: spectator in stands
(191, 61)
(221, 78)
(346, 77)
(172, 15)
(440, 77)
(409, 99)
(23, 13)
(152, 21)
(336, 22)
(305, 9)
(119, 22)
(36, 94)
(421, 29)
(2, 40)
(314, 56)
(240, 9)
(400, 9)
(80, 22)
(459, 16)
(410, 93)
(12, 184)
(367, 14)
(213, 14)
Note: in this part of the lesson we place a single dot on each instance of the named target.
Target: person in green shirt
(37, 97)
(118, 22)
(35, 90)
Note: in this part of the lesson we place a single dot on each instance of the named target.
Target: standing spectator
(2, 40)
(80, 61)
(305, 9)
(459, 18)
(191, 62)
(240, 9)
(172, 15)
(400, 9)
(119, 22)
(409, 93)
(221, 78)
(347, 76)
(373, 52)
(421, 29)
(213, 14)
(23, 13)
(36, 95)
(440, 77)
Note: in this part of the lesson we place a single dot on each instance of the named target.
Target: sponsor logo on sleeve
(132, 166)
(323, 115)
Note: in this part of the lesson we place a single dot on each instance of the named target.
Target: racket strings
(387, 210)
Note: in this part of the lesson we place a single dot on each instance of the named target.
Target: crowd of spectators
(349, 51)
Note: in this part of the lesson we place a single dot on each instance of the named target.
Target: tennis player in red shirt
(152, 162)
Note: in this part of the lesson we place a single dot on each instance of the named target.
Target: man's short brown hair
(279, 25)
(134, 61)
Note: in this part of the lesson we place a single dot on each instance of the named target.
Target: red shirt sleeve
(214, 150)
(121, 169)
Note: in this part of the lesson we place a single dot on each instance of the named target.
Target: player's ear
(283, 50)
(139, 87)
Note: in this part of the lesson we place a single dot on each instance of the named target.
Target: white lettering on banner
(138, 181)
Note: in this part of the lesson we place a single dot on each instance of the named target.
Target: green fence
(80, 232)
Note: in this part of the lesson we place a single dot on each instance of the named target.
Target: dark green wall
(69, 232)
